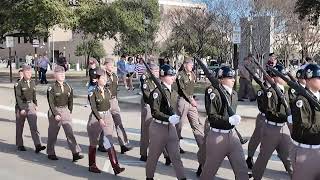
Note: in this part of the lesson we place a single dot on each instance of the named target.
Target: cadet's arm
(155, 107)
(50, 97)
(92, 100)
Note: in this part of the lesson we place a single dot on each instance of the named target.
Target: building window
(18, 40)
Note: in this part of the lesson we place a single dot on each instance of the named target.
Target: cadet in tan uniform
(26, 107)
(260, 121)
(275, 134)
(162, 130)
(222, 140)
(147, 86)
(100, 120)
(60, 99)
(187, 106)
(112, 85)
(246, 88)
(306, 130)
(301, 81)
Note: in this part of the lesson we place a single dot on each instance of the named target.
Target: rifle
(157, 83)
(294, 85)
(216, 84)
(256, 79)
(274, 86)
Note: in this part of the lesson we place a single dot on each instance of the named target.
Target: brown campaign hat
(59, 69)
(26, 67)
(100, 72)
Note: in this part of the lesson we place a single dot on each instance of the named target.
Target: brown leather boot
(92, 160)
(114, 161)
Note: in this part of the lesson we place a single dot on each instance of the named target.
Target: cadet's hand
(235, 119)
(23, 112)
(58, 117)
(174, 119)
(102, 123)
(194, 103)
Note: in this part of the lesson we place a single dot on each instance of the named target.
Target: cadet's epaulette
(69, 86)
(49, 88)
(293, 91)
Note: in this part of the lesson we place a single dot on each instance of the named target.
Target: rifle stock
(298, 88)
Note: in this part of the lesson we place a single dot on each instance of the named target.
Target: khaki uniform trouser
(54, 127)
(246, 89)
(305, 163)
(218, 146)
(121, 133)
(163, 136)
(190, 113)
(31, 116)
(94, 129)
(256, 136)
(273, 138)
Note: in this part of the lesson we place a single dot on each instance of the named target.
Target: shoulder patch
(293, 91)
(299, 103)
(155, 95)
(16, 84)
(259, 93)
(49, 88)
(144, 77)
(179, 76)
(212, 96)
(209, 90)
(269, 94)
(90, 94)
(145, 86)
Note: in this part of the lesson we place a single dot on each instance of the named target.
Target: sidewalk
(247, 110)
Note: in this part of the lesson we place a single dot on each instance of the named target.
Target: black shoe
(182, 151)
(21, 148)
(39, 148)
(143, 158)
(199, 171)
(241, 100)
(149, 178)
(102, 149)
(250, 175)
(53, 157)
(76, 157)
(125, 149)
(252, 100)
(249, 162)
(168, 161)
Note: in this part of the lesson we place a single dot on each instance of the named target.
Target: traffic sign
(236, 35)
(9, 41)
(35, 42)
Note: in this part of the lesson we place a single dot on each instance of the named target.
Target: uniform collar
(167, 86)
(228, 89)
(26, 80)
(57, 83)
(281, 87)
(99, 89)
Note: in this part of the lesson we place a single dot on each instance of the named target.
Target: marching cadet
(275, 134)
(26, 107)
(260, 121)
(112, 85)
(147, 86)
(162, 130)
(301, 81)
(100, 120)
(187, 106)
(60, 99)
(306, 129)
(222, 140)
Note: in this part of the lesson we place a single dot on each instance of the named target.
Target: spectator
(29, 59)
(43, 65)
(37, 67)
(121, 70)
(246, 89)
(130, 69)
(62, 61)
(272, 60)
(140, 67)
